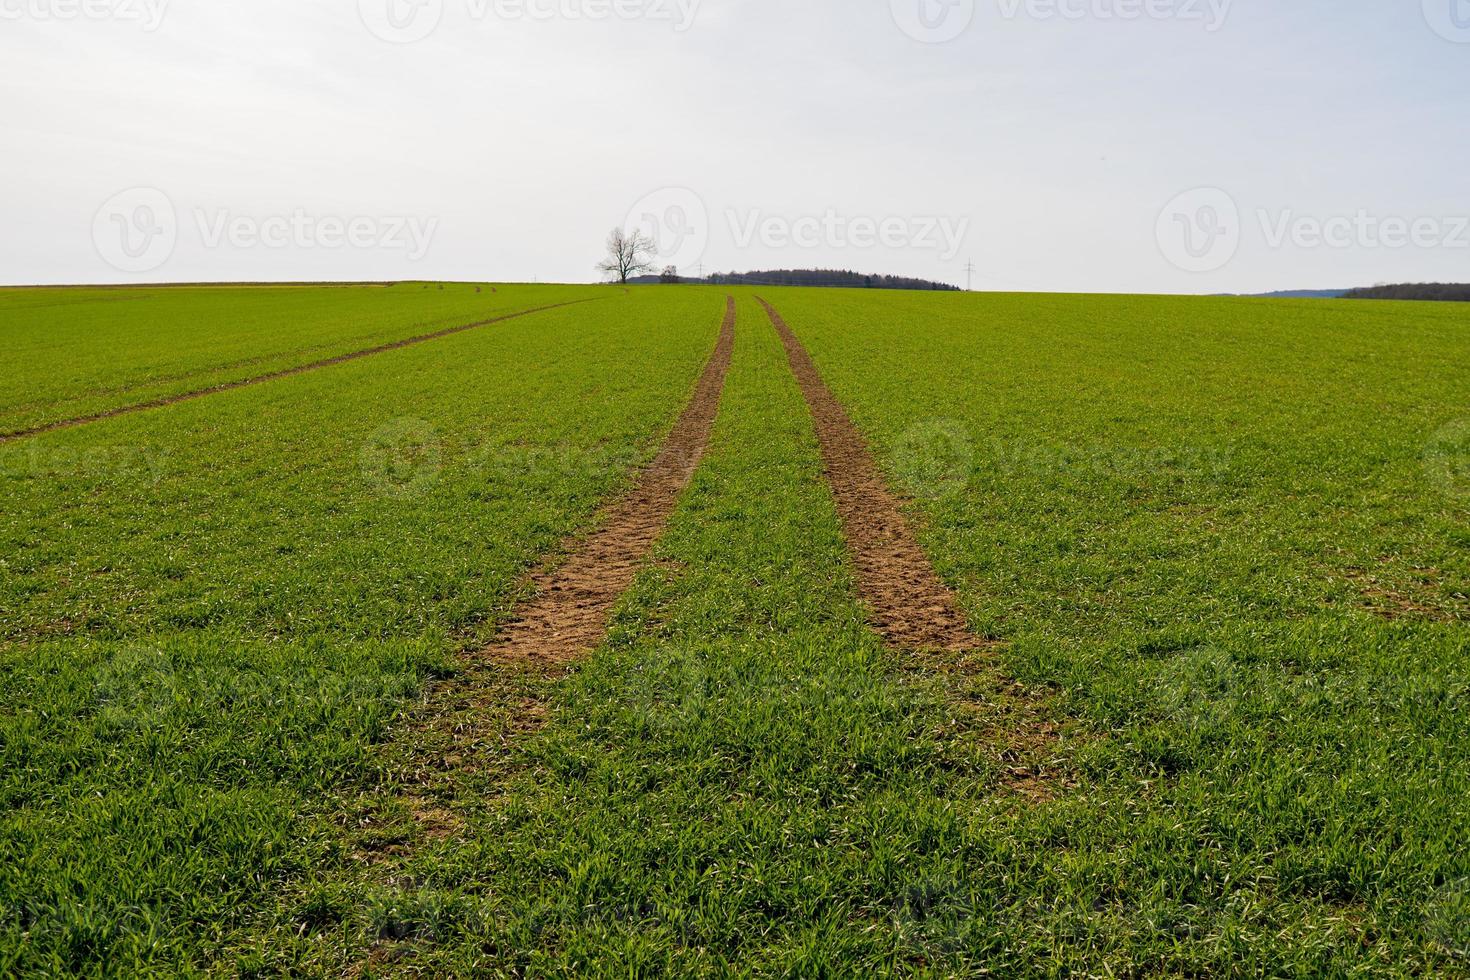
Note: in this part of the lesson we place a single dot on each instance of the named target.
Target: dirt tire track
(911, 608)
(113, 413)
(501, 695)
(567, 615)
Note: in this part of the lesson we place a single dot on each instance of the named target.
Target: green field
(74, 352)
(1220, 549)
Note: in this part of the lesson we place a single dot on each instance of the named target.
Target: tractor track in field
(567, 614)
(911, 607)
(164, 402)
(501, 694)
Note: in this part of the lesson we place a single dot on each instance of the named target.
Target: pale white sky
(1317, 143)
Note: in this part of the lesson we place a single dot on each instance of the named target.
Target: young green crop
(1233, 535)
(742, 780)
(75, 352)
(1224, 541)
(213, 611)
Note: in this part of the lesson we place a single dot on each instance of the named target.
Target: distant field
(1214, 555)
(72, 352)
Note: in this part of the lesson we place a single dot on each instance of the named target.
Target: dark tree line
(1436, 291)
(824, 277)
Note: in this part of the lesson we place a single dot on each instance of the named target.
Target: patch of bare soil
(270, 376)
(568, 612)
(911, 607)
(914, 611)
(1384, 592)
(500, 696)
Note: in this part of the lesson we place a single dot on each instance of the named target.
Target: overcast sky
(1093, 145)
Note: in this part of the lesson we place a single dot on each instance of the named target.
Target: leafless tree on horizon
(628, 254)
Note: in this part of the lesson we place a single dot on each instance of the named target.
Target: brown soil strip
(911, 607)
(914, 611)
(272, 375)
(567, 615)
(468, 725)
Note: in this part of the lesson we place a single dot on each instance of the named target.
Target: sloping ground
(271, 375)
(911, 607)
(570, 604)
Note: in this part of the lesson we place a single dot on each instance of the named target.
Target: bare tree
(670, 274)
(628, 254)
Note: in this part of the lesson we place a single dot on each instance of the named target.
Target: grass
(742, 779)
(75, 352)
(1222, 542)
(194, 650)
(1231, 535)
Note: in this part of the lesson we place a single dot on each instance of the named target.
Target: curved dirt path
(911, 608)
(113, 413)
(567, 616)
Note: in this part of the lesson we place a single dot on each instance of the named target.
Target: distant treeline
(824, 277)
(1438, 291)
